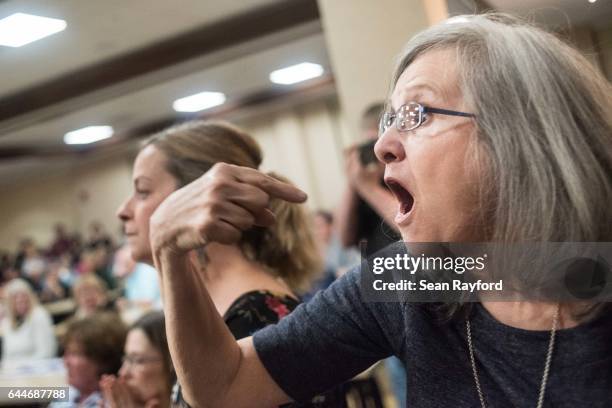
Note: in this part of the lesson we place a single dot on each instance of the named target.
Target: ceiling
(123, 63)
(560, 14)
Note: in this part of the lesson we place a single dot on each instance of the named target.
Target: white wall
(89, 192)
(305, 145)
(302, 143)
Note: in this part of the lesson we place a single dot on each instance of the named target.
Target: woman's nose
(389, 147)
(124, 370)
(124, 211)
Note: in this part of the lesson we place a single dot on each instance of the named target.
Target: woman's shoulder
(40, 314)
(256, 309)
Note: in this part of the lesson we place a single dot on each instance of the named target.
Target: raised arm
(364, 183)
(214, 370)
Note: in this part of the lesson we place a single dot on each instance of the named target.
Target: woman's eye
(142, 193)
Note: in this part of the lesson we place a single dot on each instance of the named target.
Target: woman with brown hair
(146, 375)
(253, 281)
(92, 348)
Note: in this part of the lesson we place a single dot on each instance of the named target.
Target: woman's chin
(411, 234)
(140, 255)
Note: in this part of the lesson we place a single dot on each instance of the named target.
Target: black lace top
(253, 311)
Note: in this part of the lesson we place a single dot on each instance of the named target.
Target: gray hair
(544, 132)
(544, 117)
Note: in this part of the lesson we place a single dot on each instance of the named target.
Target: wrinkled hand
(117, 395)
(359, 176)
(218, 206)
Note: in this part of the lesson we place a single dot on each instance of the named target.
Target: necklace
(551, 346)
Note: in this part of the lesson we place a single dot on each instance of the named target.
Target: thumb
(152, 403)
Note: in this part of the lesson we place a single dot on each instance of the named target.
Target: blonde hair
(11, 289)
(91, 280)
(287, 249)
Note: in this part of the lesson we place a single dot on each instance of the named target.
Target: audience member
(147, 375)
(62, 243)
(253, 282)
(496, 132)
(53, 288)
(337, 259)
(96, 261)
(91, 295)
(98, 237)
(21, 252)
(93, 347)
(34, 266)
(27, 329)
(367, 208)
(140, 282)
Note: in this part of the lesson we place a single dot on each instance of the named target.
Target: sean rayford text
(412, 264)
(425, 285)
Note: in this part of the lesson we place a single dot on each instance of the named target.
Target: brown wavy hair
(101, 336)
(287, 249)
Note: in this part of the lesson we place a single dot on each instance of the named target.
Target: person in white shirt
(27, 328)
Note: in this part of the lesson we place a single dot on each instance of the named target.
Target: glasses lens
(409, 116)
(386, 121)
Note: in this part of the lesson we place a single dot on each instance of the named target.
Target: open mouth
(403, 196)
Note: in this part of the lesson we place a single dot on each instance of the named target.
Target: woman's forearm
(204, 352)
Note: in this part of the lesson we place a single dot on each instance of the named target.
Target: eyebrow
(421, 86)
(141, 178)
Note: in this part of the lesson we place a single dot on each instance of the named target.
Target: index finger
(273, 187)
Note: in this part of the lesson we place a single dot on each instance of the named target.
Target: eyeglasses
(138, 360)
(412, 115)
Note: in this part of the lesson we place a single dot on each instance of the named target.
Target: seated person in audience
(96, 261)
(253, 282)
(62, 243)
(337, 259)
(147, 375)
(53, 288)
(27, 329)
(93, 347)
(98, 237)
(91, 295)
(34, 266)
(140, 284)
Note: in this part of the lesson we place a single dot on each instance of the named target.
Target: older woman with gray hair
(496, 131)
(27, 328)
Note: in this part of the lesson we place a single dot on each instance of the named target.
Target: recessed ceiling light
(89, 134)
(20, 29)
(198, 102)
(296, 73)
(592, 1)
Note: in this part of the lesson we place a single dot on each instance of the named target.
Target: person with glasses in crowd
(146, 376)
(496, 131)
